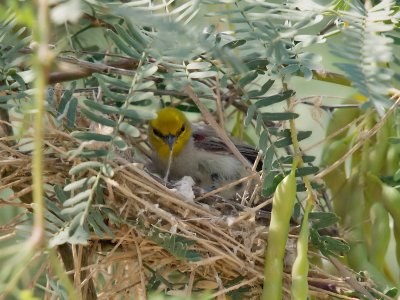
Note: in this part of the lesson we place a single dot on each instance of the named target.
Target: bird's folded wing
(205, 138)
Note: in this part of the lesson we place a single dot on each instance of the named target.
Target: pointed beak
(170, 140)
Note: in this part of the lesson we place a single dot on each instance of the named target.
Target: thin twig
(221, 118)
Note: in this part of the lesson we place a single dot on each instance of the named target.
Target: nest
(165, 243)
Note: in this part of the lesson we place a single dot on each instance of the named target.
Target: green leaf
(84, 167)
(290, 69)
(61, 237)
(301, 135)
(391, 292)
(396, 176)
(264, 89)
(274, 99)
(137, 48)
(139, 114)
(250, 114)
(71, 113)
(98, 118)
(248, 78)
(328, 245)
(60, 194)
(16, 96)
(100, 194)
(95, 227)
(74, 210)
(122, 45)
(269, 156)
(78, 198)
(54, 219)
(80, 236)
(271, 182)
(53, 208)
(140, 96)
(137, 35)
(204, 74)
(105, 109)
(9, 55)
(307, 73)
(120, 143)
(99, 220)
(88, 153)
(279, 116)
(201, 65)
(91, 136)
(19, 80)
(79, 184)
(258, 63)
(129, 130)
(66, 97)
(107, 170)
(114, 81)
(149, 70)
(112, 95)
(234, 44)
(394, 140)
(323, 219)
(289, 160)
(263, 141)
(304, 171)
(259, 124)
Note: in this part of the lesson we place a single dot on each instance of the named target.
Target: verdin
(181, 148)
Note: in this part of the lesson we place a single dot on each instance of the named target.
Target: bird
(181, 148)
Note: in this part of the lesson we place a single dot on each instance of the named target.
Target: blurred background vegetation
(314, 81)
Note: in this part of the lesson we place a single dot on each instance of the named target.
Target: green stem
(297, 152)
(41, 65)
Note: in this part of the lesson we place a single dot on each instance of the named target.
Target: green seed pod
(378, 152)
(334, 151)
(340, 118)
(335, 180)
(353, 223)
(282, 208)
(300, 267)
(339, 199)
(380, 234)
(392, 163)
(390, 198)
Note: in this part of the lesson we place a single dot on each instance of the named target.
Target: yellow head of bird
(169, 132)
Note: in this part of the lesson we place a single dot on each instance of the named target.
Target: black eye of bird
(157, 133)
(181, 130)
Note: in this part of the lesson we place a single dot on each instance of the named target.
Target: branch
(120, 67)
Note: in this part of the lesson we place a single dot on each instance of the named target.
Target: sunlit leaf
(204, 74)
(79, 183)
(85, 166)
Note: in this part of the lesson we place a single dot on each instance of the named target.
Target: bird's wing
(206, 138)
